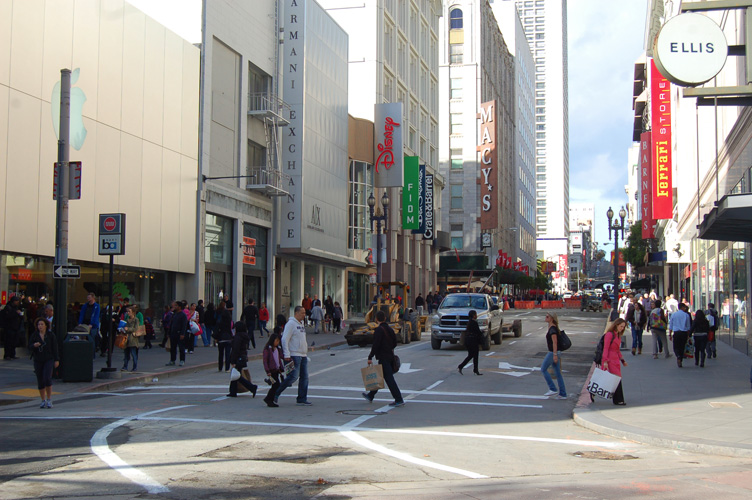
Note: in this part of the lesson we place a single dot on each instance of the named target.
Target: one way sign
(66, 272)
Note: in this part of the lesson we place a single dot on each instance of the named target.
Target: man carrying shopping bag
(384, 342)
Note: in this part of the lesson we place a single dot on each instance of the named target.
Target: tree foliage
(635, 249)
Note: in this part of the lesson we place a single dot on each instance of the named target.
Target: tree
(600, 254)
(635, 248)
(542, 281)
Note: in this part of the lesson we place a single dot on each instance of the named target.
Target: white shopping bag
(603, 384)
(234, 374)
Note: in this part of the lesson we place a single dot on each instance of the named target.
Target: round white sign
(690, 49)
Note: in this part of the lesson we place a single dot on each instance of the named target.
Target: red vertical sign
(646, 200)
(660, 125)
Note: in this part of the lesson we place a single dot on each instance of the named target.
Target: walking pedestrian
(384, 342)
(12, 321)
(131, 343)
(307, 304)
(317, 316)
(712, 316)
(429, 302)
(295, 349)
(46, 358)
(223, 336)
(473, 339)
(239, 360)
(612, 356)
(337, 316)
(679, 325)
(699, 329)
(328, 313)
(657, 325)
(166, 320)
(178, 332)
(419, 304)
(639, 319)
(209, 321)
(89, 315)
(250, 316)
(273, 366)
(263, 319)
(553, 358)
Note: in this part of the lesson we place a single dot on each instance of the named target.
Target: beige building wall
(141, 84)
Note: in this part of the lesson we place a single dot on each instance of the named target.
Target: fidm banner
(660, 126)
(646, 181)
(410, 192)
(421, 201)
(428, 234)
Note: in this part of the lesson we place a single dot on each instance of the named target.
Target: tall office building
(545, 25)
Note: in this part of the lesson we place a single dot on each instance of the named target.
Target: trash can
(77, 360)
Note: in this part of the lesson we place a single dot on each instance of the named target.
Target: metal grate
(724, 404)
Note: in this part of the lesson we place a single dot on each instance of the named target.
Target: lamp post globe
(622, 214)
(371, 200)
(610, 214)
(385, 200)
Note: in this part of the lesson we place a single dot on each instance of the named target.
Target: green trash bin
(77, 360)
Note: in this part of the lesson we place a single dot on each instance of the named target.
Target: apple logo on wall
(78, 98)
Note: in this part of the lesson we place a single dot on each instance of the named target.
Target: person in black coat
(239, 360)
(12, 321)
(473, 339)
(384, 342)
(250, 316)
(178, 329)
(44, 352)
(223, 335)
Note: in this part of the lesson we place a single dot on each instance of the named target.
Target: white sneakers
(551, 393)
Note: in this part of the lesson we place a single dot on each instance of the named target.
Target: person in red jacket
(308, 306)
(263, 319)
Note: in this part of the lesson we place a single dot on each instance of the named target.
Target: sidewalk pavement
(18, 383)
(704, 410)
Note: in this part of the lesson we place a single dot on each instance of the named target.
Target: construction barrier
(524, 304)
(551, 304)
(572, 304)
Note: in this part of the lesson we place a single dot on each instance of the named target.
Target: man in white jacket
(295, 349)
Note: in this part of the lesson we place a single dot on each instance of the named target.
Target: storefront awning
(730, 220)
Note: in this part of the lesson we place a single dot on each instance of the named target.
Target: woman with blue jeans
(553, 358)
(638, 326)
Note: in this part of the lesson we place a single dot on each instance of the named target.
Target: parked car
(450, 319)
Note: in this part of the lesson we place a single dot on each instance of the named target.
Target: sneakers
(559, 396)
(397, 404)
(171, 363)
(43, 404)
(304, 403)
(49, 403)
(181, 363)
(551, 393)
(366, 397)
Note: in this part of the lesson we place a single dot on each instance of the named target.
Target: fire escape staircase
(269, 179)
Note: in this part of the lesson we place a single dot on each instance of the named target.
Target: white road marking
(506, 366)
(513, 374)
(101, 449)
(492, 352)
(528, 334)
(512, 342)
(405, 368)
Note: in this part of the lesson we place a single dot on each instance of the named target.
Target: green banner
(411, 194)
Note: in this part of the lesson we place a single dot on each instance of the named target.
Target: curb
(182, 370)
(596, 421)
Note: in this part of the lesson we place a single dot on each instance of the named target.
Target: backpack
(656, 322)
(564, 341)
(598, 358)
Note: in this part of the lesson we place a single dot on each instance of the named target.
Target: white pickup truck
(450, 319)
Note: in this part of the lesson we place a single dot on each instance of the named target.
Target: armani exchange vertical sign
(292, 143)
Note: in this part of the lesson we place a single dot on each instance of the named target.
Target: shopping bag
(234, 374)
(373, 377)
(167, 344)
(120, 340)
(140, 331)
(603, 384)
(689, 351)
(247, 376)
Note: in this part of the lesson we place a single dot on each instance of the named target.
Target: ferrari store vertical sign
(646, 200)
(487, 147)
(660, 125)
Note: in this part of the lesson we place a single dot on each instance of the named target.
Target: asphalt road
(459, 436)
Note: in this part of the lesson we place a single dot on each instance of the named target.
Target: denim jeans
(130, 351)
(636, 337)
(300, 370)
(206, 336)
(548, 361)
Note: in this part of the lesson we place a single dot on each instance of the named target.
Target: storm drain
(602, 455)
(724, 404)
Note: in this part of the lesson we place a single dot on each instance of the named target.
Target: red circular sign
(110, 223)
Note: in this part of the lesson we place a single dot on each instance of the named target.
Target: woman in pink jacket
(612, 355)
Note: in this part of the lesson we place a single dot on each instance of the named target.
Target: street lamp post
(379, 219)
(616, 226)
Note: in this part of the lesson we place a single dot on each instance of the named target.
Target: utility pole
(61, 225)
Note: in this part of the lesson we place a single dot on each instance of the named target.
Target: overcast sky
(605, 40)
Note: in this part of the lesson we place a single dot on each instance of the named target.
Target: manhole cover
(602, 455)
(359, 412)
(724, 404)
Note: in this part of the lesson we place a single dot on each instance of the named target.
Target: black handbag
(396, 363)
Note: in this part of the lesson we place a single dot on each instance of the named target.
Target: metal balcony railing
(268, 105)
(269, 181)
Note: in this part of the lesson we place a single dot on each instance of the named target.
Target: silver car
(450, 319)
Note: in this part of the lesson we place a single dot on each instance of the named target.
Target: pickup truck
(450, 319)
